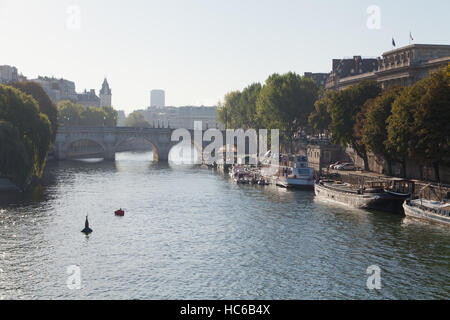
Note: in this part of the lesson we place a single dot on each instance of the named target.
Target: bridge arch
(147, 140)
(84, 147)
(192, 143)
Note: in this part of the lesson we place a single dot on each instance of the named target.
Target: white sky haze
(198, 50)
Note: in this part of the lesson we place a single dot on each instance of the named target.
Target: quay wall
(414, 169)
(6, 185)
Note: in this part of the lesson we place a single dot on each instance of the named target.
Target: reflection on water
(190, 233)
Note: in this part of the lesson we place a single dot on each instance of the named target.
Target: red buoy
(120, 213)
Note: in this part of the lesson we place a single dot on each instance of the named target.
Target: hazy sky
(197, 50)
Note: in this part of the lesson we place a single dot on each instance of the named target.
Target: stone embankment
(6, 185)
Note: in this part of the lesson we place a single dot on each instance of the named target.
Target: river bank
(6, 185)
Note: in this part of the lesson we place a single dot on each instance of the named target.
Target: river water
(192, 234)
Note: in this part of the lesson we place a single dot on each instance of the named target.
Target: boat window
(303, 171)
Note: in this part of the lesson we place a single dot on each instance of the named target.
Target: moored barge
(428, 210)
(360, 198)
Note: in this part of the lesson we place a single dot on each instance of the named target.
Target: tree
(72, 114)
(374, 131)
(229, 110)
(137, 120)
(247, 107)
(432, 120)
(69, 113)
(285, 103)
(111, 116)
(347, 116)
(46, 105)
(320, 119)
(93, 117)
(16, 161)
(401, 136)
(22, 112)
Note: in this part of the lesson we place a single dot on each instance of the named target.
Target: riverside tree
(137, 120)
(73, 114)
(400, 125)
(432, 120)
(30, 135)
(374, 129)
(46, 105)
(239, 108)
(16, 161)
(285, 103)
(320, 119)
(228, 111)
(347, 116)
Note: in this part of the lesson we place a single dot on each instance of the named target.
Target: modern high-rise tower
(105, 95)
(157, 99)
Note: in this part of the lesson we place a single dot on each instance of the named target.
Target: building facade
(157, 99)
(319, 78)
(400, 67)
(408, 65)
(61, 89)
(105, 94)
(182, 117)
(8, 74)
(354, 68)
(321, 156)
(88, 99)
(121, 117)
(58, 89)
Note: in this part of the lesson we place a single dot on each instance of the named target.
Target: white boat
(241, 178)
(428, 210)
(299, 177)
(235, 170)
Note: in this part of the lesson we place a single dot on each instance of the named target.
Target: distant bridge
(105, 142)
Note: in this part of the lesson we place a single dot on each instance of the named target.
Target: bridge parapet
(111, 138)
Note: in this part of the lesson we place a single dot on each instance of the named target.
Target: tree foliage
(72, 114)
(136, 120)
(46, 105)
(320, 120)
(374, 130)
(247, 107)
(432, 120)
(16, 159)
(30, 133)
(229, 110)
(346, 109)
(400, 125)
(285, 103)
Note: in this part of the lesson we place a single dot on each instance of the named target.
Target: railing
(64, 129)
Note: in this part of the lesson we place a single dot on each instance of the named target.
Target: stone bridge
(110, 139)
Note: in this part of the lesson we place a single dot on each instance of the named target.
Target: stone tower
(105, 95)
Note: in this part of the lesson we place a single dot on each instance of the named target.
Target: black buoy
(86, 229)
